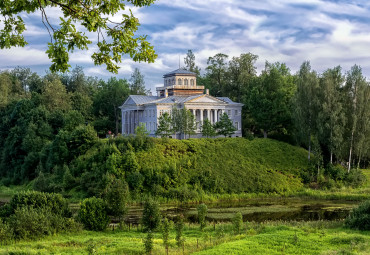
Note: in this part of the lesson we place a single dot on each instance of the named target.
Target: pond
(257, 210)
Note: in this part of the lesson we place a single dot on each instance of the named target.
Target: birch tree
(305, 110)
(355, 88)
(331, 116)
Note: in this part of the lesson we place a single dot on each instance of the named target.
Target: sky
(327, 33)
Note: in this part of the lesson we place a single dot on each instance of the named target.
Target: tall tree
(189, 61)
(217, 73)
(115, 38)
(241, 71)
(305, 104)
(269, 99)
(137, 83)
(331, 116)
(356, 88)
(183, 121)
(109, 97)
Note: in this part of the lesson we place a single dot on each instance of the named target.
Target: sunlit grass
(319, 237)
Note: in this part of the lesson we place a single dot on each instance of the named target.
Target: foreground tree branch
(118, 40)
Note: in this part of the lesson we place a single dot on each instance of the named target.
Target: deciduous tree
(114, 39)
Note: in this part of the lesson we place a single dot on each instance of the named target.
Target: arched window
(173, 81)
(186, 82)
(192, 82)
(179, 82)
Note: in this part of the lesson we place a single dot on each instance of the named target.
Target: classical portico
(147, 109)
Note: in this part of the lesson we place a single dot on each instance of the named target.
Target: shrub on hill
(181, 169)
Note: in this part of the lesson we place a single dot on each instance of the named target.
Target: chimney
(207, 91)
(165, 92)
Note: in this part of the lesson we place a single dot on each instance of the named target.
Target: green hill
(184, 168)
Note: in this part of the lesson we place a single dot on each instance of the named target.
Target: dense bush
(359, 217)
(50, 201)
(6, 233)
(33, 223)
(93, 214)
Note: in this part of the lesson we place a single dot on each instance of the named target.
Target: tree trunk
(264, 134)
(331, 157)
(350, 153)
(309, 145)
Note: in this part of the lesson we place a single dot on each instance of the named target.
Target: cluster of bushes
(333, 176)
(359, 218)
(32, 214)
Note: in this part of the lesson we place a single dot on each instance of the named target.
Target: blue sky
(328, 33)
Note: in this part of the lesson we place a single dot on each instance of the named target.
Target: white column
(123, 122)
(209, 115)
(216, 115)
(201, 117)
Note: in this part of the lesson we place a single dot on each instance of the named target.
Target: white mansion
(180, 88)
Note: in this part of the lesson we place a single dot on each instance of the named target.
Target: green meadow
(317, 237)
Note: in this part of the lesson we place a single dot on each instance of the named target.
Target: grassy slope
(267, 238)
(238, 165)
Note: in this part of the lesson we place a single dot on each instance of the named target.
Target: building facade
(179, 90)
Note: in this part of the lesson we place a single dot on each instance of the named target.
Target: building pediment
(206, 99)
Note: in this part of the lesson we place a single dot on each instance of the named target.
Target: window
(192, 82)
(150, 126)
(179, 82)
(173, 81)
(229, 112)
(186, 82)
(153, 113)
(237, 125)
(236, 112)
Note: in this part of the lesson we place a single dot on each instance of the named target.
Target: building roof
(143, 100)
(227, 100)
(180, 71)
(140, 99)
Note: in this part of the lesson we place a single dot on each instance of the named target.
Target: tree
(241, 71)
(189, 61)
(269, 98)
(55, 96)
(115, 39)
(237, 222)
(357, 104)
(208, 129)
(151, 215)
(217, 73)
(166, 227)
(116, 197)
(202, 214)
(305, 104)
(331, 116)
(183, 121)
(164, 125)
(225, 125)
(179, 227)
(109, 96)
(137, 83)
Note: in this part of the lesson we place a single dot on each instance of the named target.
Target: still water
(257, 210)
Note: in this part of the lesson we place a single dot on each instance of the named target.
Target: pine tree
(164, 125)
(208, 129)
(225, 126)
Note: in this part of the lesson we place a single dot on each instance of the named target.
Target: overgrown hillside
(183, 169)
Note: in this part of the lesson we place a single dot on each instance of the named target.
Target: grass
(318, 237)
